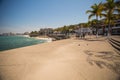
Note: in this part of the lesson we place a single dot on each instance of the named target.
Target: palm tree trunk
(97, 27)
(103, 30)
(108, 29)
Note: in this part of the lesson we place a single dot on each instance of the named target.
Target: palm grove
(104, 13)
(109, 10)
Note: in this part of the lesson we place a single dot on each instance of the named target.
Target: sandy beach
(69, 59)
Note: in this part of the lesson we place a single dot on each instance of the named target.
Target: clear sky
(27, 15)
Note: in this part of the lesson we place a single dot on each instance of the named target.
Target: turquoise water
(11, 42)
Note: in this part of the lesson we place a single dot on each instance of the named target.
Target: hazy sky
(28, 15)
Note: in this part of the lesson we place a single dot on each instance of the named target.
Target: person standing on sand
(81, 35)
(84, 35)
(77, 35)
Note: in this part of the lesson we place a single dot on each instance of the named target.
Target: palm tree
(97, 12)
(109, 8)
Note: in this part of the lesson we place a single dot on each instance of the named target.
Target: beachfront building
(45, 31)
(115, 29)
(8, 34)
(83, 30)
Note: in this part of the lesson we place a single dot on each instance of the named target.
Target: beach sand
(68, 59)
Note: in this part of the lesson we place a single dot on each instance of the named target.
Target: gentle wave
(11, 42)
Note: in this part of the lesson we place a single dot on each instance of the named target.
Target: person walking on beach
(77, 36)
(84, 35)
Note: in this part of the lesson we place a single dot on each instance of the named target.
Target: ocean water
(11, 42)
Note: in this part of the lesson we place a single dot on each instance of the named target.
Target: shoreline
(46, 39)
(22, 46)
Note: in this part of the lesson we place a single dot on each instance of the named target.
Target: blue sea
(11, 42)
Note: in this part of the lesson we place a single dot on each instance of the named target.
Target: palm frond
(91, 15)
(89, 11)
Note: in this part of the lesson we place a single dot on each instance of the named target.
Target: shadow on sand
(95, 39)
(1, 77)
(118, 78)
(104, 59)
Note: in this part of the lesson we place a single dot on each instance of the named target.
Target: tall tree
(97, 12)
(109, 8)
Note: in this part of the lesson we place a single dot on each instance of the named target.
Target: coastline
(19, 41)
(46, 39)
(68, 59)
(26, 36)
